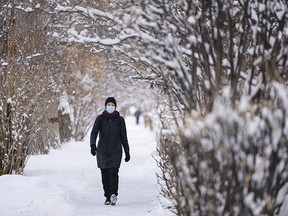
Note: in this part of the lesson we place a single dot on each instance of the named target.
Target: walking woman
(112, 137)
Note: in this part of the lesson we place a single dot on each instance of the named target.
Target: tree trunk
(65, 125)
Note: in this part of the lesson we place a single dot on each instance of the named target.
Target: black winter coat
(112, 136)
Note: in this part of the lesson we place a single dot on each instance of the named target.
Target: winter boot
(113, 199)
(107, 202)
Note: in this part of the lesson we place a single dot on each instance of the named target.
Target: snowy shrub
(85, 104)
(167, 152)
(29, 78)
(234, 160)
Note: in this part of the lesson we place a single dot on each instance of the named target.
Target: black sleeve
(95, 130)
(123, 132)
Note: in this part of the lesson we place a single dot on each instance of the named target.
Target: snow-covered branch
(88, 12)
(81, 38)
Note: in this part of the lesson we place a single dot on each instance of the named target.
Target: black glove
(93, 150)
(127, 156)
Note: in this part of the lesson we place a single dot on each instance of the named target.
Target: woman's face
(110, 104)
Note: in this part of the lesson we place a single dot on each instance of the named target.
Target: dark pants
(110, 181)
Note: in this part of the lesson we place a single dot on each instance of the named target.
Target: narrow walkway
(138, 193)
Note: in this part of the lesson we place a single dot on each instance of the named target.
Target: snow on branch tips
(75, 36)
(88, 12)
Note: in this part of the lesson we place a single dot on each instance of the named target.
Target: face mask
(110, 109)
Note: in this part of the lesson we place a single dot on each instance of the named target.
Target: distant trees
(85, 88)
(90, 41)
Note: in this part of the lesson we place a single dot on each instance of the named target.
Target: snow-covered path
(67, 182)
(137, 187)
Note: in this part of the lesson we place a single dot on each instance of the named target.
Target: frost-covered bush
(29, 79)
(234, 160)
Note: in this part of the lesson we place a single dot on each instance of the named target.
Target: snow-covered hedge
(234, 160)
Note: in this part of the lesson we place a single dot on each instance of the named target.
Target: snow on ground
(67, 182)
